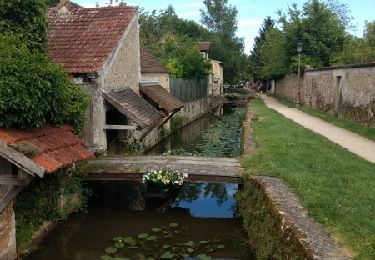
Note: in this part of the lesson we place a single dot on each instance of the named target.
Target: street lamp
(299, 50)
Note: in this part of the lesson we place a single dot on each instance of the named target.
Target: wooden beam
(12, 180)
(20, 160)
(120, 127)
(9, 196)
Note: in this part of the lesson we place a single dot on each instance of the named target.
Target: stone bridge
(217, 170)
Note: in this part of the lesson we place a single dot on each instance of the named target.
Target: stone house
(216, 75)
(27, 154)
(152, 70)
(99, 48)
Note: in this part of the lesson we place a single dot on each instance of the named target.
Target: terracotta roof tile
(161, 97)
(150, 64)
(57, 147)
(133, 106)
(82, 41)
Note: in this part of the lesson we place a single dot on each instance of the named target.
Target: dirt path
(356, 144)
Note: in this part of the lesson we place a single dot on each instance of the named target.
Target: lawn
(336, 187)
(365, 131)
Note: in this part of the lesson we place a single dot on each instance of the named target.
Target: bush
(35, 91)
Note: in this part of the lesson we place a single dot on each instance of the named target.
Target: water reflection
(208, 200)
(122, 209)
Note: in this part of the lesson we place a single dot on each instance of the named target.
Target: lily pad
(118, 239)
(151, 238)
(203, 242)
(220, 246)
(167, 255)
(190, 243)
(150, 258)
(128, 240)
(106, 257)
(119, 245)
(166, 246)
(143, 235)
(120, 258)
(203, 257)
(156, 229)
(110, 250)
(173, 225)
(190, 250)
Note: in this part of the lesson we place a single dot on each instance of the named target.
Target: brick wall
(347, 91)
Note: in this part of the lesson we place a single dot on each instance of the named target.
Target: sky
(251, 13)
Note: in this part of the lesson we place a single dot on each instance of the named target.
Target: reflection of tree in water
(192, 191)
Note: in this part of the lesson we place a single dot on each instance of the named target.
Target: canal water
(125, 220)
(198, 216)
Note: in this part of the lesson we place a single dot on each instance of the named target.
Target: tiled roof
(150, 64)
(55, 147)
(82, 41)
(134, 107)
(203, 46)
(161, 97)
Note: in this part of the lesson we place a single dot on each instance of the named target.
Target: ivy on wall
(51, 198)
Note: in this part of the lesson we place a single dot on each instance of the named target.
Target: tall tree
(220, 18)
(255, 57)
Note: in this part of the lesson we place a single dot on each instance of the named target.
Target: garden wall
(347, 91)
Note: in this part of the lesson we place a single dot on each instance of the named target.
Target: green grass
(362, 130)
(336, 187)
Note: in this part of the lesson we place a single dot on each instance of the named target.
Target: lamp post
(299, 50)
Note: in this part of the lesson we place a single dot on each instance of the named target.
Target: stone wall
(162, 78)
(123, 68)
(347, 91)
(287, 87)
(8, 249)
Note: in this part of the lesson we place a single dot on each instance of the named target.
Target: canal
(127, 220)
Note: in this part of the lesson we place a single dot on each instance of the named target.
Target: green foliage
(355, 50)
(34, 91)
(221, 20)
(165, 243)
(319, 26)
(27, 20)
(41, 200)
(223, 139)
(317, 170)
(263, 227)
(172, 40)
(274, 57)
(176, 123)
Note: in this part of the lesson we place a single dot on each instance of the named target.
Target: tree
(221, 20)
(255, 57)
(369, 33)
(173, 41)
(33, 90)
(274, 61)
(27, 20)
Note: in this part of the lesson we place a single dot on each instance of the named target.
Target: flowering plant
(164, 176)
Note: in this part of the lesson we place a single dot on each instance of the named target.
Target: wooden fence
(188, 90)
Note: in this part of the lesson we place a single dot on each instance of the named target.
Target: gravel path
(356, 144)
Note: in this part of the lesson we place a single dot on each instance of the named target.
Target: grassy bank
(335, 186)
(362, 130)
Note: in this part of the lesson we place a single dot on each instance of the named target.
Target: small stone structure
(25, 154)
(346, 91)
